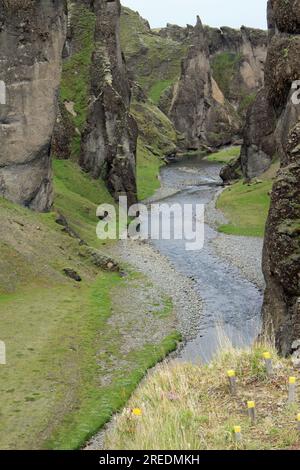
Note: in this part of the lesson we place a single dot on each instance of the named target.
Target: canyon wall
(110, 136)
(202, 78)
(281, 259)
(32, 35)
(81, 113)
(220, 77)
(198, 108)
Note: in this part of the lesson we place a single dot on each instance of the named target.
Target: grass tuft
(186, 406)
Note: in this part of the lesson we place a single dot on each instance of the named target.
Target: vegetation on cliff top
(154, 60)
(186, 406)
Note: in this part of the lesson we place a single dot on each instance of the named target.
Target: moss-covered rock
(154, 59)
(281, 310)
(282, 67)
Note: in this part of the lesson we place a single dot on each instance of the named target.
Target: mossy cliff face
(153, 58)
(259, 145)
(32, 35)
(281, 310)
(238, 58)
(110, 136)
(94, 125)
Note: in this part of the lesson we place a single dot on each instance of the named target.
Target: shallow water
(231, 304)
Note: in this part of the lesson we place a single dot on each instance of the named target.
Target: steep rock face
(198, 108)
(94, 125)
(263, 129)
(259, 145)
(32, 35)
(153, 59)
(281, 310)
(109, 139)
(238, 59)
(157, 59)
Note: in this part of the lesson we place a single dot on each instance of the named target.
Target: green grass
(69, 367)
(49, 334)
(246, 207)
(158, 88)
(224, 156)
(148, 166)
(186, 406)
(101, 403)
(77, 196)
(157, 138)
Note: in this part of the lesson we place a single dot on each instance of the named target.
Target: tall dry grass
(185, 406)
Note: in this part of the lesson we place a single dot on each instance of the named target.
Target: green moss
(290, 227)
(224, 156)
(154, 60)
(225, 66)
(158, 88)
(246, 207)
(75, 81)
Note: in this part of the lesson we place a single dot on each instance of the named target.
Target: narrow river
(231, 304)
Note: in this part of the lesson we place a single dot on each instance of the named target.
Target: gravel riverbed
(147, 260)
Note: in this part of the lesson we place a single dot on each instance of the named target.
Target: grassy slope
(185, 406)
(246, 206)
(159, 59)
(157, 139)
(55, 328)
(224, 156)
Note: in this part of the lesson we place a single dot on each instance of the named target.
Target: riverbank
(234, 263)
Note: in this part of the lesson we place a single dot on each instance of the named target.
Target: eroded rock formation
(199, 109)
(110, 136)
(281, 260)
(220, 77)
(32, 35)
